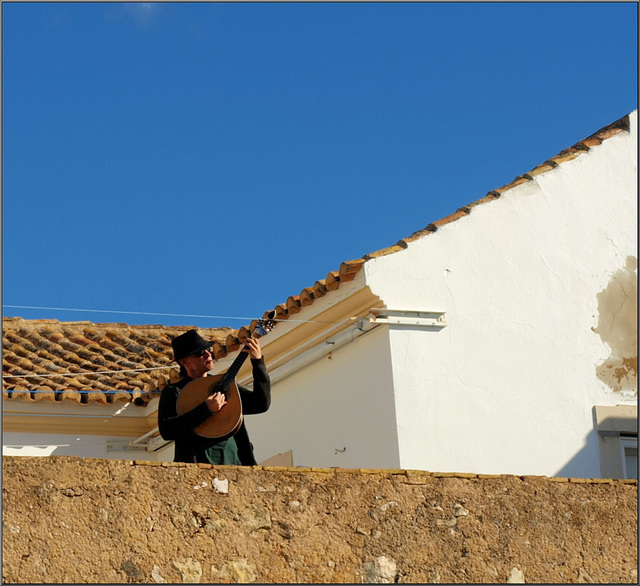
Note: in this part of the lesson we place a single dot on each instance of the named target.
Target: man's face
(197, 364)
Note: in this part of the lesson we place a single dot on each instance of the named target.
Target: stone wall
(86, 520)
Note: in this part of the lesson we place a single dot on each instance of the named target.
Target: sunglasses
(202, 352)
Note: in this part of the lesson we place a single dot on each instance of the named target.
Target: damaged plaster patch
(618, 329)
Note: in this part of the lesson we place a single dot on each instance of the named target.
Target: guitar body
(222, 424)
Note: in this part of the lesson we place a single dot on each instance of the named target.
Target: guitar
(228, 420)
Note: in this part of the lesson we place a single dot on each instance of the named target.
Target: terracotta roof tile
(281, 311)
(320, 289)
(232, 343)
(45, 394)
(91, 363)
(307, 296)
(293, 304)
(348, 269)
(451, 218)
(219, 350)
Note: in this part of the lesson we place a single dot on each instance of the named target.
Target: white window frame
(628, 443)
(617, 430)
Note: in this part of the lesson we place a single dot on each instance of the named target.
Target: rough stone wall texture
(72, 520)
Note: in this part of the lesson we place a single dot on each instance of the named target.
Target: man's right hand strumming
(216, 402)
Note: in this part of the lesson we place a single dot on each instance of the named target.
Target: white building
(538, 291)
(501, 339)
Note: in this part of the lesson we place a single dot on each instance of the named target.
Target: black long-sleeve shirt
(189, 446)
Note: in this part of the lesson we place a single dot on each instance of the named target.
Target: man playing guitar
(194, 356)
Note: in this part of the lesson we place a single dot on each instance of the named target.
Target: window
(629, 448)
(617, 428)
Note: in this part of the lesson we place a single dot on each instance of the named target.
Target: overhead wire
(193, 315)
(123, 312)
(85, 372)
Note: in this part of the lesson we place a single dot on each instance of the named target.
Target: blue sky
(214, 159)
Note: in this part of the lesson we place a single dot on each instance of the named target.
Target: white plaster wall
(510, 385)
(83, 446)
(336, 411)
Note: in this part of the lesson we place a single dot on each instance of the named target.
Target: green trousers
(224, 452)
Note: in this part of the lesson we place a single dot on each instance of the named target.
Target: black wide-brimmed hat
(191, 342)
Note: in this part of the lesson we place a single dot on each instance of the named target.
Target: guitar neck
(235, 367)
(231, 374)
(262, 327)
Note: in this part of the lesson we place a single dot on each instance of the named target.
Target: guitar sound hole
(217, 389)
